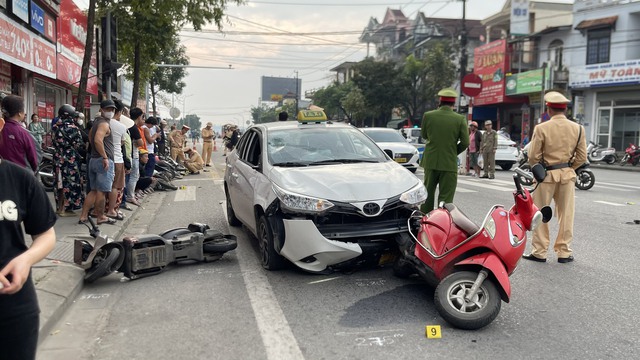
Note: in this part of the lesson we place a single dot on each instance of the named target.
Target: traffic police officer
(560, 145)
(446, 136)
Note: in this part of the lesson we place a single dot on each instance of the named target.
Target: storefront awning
(597, 23)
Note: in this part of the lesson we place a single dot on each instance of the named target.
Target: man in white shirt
(118, 131)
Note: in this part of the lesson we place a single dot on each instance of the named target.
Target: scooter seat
(461, 220)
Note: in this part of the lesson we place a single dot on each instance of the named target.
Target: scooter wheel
(585, 180)
(469, 315)
(104, 266)
(219, 246)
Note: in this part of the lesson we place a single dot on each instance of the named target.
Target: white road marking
(463, 190)
(323, 280)
(342, 333)
(610, 188)
(483, 185)
(619, 185)
(188, 194)
(493, 181)
(274, 329)
(609, 203)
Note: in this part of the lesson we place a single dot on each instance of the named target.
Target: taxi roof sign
(311, 116)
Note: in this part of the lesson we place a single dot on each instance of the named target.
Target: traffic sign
(174, 112)
(471, 85)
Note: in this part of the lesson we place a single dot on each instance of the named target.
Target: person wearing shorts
(118, 131)
(101, 167)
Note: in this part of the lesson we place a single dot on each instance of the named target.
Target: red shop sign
(15, 43)
(44, 56)
(490, 63)
(69, 72)
(50, 111)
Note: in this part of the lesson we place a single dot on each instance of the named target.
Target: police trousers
(564, 197)
(207, 148)
(445, 181)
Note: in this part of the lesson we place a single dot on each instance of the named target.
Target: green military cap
(448, 95)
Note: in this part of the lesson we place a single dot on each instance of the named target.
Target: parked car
(321, 195)
(506, 155)
(395, 146)
(413, 137)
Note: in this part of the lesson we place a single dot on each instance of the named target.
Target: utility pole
(107, 47)
(463, 48)
(297, 90)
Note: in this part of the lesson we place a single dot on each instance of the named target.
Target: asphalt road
(233, 309)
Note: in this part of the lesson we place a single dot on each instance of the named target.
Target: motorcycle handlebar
(524, 174)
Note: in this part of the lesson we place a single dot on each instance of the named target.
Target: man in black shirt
(23, 202)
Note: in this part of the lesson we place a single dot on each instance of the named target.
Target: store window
(626, 127)
(555, 53)
(47, 98)
(604, 124)
(598, 46)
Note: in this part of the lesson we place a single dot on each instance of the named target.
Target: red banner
(42, 109)
(25, 49)
(72, 35)
(51, 109)
(490, 63)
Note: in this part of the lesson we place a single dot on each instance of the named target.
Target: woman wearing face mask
(18, 146)
(68, 143)
(23, 202)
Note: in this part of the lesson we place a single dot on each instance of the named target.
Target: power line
(331, 4)
(271, 43)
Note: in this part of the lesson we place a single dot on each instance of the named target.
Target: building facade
(604, 70)
(41, 50)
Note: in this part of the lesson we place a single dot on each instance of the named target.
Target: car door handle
(235, 176)
(229, 166)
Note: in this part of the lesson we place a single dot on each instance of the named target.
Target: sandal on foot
(109, 221)
(115, 217)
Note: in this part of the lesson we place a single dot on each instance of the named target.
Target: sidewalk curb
(58, 284)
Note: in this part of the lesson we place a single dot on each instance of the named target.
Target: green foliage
(170, 79)
(192, 121)
(355, 105)
(381, 87)
(330, 99)
(264, 114)
(440, 72)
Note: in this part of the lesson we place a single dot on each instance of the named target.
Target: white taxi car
(397, 147)
(318, 194)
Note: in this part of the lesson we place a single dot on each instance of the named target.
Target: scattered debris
(55, 332)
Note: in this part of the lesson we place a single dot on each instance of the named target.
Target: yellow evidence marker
(433, 332)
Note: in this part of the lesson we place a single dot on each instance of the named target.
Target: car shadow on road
(404, 304)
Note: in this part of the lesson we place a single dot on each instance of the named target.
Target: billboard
(606, 74)
(519, 21)
(490, 62)
(525, 82)
(278, 88)
(72, 35)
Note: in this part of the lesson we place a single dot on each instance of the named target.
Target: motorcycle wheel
(47, 182)
(624, 160)
(104, 266)
(610, 159)
(523, 180)
(167, 185)
(468, 315)
(585, 180)
(221, 245)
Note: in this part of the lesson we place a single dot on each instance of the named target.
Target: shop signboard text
(608, 74)
(490, 62)
(525, 83)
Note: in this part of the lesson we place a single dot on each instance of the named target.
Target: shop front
(506, 112)
(611, 101)
(529, 84)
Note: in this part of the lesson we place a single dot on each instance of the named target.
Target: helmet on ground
(66, 111)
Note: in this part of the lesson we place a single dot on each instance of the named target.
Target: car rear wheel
(506, 166)
(270, 259)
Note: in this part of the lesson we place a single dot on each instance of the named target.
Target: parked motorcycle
(596, 153)
(148, 255)
(45, 169)
(631, 155)
(584, 177)
(469, 264)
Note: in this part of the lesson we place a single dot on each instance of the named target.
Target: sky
(303, 37)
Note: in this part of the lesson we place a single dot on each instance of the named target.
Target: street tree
(263, 114)
(169, 79)
(380, 86)
(354, 104)
(192, 121)
(440, 72)
(86, 60)
(330, 99)
(146, 28)
(414, 86)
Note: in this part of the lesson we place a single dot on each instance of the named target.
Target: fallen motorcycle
(137, 257)
(470, 264)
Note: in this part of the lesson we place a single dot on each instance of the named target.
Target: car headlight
(415, 196)
(298, 202)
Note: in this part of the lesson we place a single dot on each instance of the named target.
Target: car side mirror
(547, 214)
(389, 153)
(539, 172)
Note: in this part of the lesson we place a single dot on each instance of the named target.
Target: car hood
(346, 182)
(397, 147)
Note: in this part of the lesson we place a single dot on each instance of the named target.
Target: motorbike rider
(559, 144)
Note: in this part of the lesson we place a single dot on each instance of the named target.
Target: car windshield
(321, 146)
(380, 136)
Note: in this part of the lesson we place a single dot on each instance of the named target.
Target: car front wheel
(231, 215)
(270, 259)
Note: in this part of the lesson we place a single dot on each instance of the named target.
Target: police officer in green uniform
(446, 136)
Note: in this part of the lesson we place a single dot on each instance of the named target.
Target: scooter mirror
(547, 214)
(539, 172)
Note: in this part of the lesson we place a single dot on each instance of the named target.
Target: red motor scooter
(469, 264)
(631, 155)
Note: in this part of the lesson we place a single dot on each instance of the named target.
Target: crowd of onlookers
(105, 165)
